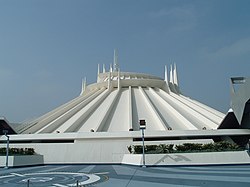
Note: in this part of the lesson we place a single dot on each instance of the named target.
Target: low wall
(111, 148)
(204, 158)
(22, 160)
(85, 151)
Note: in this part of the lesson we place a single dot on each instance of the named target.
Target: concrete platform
(126, 176)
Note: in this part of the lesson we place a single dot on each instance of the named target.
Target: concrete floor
(125, 176)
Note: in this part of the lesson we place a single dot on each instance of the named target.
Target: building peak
(116, 65)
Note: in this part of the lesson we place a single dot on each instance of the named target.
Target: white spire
(98, 72)
(166, 74)
(109, 80)
(171, 74)
(83, 85)
(110, 68)
(119, 81)
(116, 65)
(103, 68)
(175, 75)
(166, 80)
(98, 69)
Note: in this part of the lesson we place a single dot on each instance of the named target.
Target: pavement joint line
(60, 185)
(131, 177)
(87, 169)
(6, 176)
(102, 173)
(17, 174)
(55, 168)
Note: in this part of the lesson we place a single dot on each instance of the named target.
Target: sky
(48, 46)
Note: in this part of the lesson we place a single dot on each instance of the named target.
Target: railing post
(7, 148)
(143, 149)
(143, 127)
(28, 183)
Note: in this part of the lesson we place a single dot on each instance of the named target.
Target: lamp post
(7, 148)
(143, 127)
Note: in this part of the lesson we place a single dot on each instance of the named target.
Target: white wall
(102, 147)
(82, 151)
(207, 158)
(22, 160)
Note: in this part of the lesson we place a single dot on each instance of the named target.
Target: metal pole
(7, 151)
(143, 149)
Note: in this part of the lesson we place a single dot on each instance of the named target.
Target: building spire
(166, 74)
(175, 75)
(98, 72)
(109, 81)
(103, 68)
(116, 65)
(171, 74)
(83, 85)
(118, 80)
(110, 68)
(98, 69)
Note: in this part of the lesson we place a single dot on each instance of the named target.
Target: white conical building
(99, 124)
(120, 99)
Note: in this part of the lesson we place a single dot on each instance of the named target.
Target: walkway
(125, 176)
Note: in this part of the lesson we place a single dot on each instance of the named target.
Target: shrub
(138, 149)
(186, 147)
(2, 150)
(150, 149)
(226, 146)
(189, 147)
(29, 151)
(208, 147)
(165, 148)
(17, 151)
(130, 149)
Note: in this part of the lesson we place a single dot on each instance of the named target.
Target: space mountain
(99, 124)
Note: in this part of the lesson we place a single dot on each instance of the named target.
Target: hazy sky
(48, 46)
